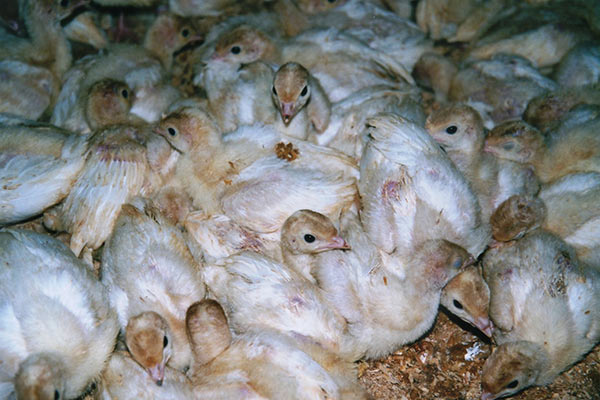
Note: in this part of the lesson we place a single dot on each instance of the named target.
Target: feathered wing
(263, 195)
(114, 172)
(446, 207)
(260, 293)
(38, 166)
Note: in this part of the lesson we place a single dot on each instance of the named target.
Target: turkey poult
(124, 379)
(234, 173)
(57, 329)
(545, 306)
(552, 156)
(402, 292)
(262, 365)
(458, 128)
(411, 191)
(151, 280)
(39, 165)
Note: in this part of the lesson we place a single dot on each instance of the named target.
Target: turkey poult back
(151, 279)
(57, 329)
(545, 305)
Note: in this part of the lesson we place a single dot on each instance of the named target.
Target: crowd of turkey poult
(239, 200)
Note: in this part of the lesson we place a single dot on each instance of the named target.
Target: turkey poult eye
(165, 341)
(451, 130)
(304, 91)
(185, 33)
(308, 238)
(56, 395)
(64, 3)
(125, 93)
(236, 50)
(513, 384)
(457, 304)
(172, 131)
(274, 91)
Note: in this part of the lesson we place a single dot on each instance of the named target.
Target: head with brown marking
(457, 127)
(148, 339)
(310, 232)
(514, 140)
(40, 377)
(291, 90)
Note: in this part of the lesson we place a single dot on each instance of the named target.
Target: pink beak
(287, 112)
(336, 242)
(487, 396)
(157, 373)
(485, 325)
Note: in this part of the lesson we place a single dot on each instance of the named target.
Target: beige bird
(543, 41)
(39, 165)
(58, 329)
(26, 91)
(467, 296)
(341, 63)
(503, 85)
(349, 116)
(435, 71)
(106, 102)
(259, 293)
(459, 129)
(152, 279)
(123, 379)
(375, 23)
(544, 304)
(580, 66)
(123, 162)
(411, 191)
(387, 300)
(301, 101)
(84, 28)
(304, 234)
(47, 45)
(263, 364)
(235, 178)
(569, 208)
(546, 112)
(567, 151)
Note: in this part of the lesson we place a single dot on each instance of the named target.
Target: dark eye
(56, 395)
(274, 91)
(165, 341)
(308, 238)
(64, 4)
(185, 32)
(172, 131)
(331, 1)
(304, 91)
(508, 146)
(451, 130)
(236, 50)
(513, 384)
(124, 93)
(457, 304)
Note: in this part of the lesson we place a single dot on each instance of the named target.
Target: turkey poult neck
(49, 45)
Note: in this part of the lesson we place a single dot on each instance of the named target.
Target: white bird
(152, 279)
(261, 365)
(57, 329)
(254, 166)
(545, 306)
(123, 379)
(39, 163)
(386, 300)
(411, 191)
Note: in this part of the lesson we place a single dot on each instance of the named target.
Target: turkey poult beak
(287, 112)
(336, 242)
(157, 373)
(487, 396)
(485, 325)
